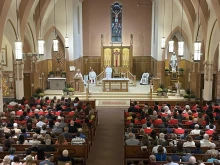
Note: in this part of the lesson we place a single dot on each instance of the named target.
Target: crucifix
(116, 53)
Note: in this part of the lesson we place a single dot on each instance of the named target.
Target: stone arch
(185, 37)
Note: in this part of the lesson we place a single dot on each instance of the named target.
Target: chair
(116, 73)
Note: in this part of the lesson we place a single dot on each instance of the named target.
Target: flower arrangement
(51, 72)
(41, 94)
(167, 69)
(159, 90)
(71, 89)
(186, 96)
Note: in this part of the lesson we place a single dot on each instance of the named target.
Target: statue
(173, 62)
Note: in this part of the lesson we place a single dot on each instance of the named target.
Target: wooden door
(27, 85)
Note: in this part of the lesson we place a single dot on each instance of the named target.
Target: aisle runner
(113, 103)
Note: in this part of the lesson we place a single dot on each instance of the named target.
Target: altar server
(144, 79)
(92, 76)
(108, 72)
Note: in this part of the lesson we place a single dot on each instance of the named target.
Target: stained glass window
(116, 22)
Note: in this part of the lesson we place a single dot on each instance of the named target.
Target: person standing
(108, 72)
(92, 76)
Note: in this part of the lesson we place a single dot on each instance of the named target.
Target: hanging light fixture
(18, 43)
(181, 42)
(163, 39)
(40, 41)
(197, 44)
(55, 40)
(66, 38)
(171, 42)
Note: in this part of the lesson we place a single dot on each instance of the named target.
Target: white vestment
(108, 72)
(92, 76)
(173, 62)
(144, 79)
(80, 75)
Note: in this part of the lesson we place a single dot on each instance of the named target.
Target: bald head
(192, 160)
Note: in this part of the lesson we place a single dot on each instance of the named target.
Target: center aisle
(108, 145)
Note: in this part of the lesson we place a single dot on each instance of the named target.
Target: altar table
(57, 83)
(115, 82)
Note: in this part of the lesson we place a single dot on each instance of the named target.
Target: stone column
(195, 79)
(19, 79)
(1, 95)
(208, 78)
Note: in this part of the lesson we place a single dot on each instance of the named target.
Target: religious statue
(144, 79)
(108, 72)
(92, 76)
(173, 62)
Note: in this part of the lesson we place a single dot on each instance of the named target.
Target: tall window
(116, 22)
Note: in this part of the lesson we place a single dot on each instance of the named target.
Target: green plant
(35, 95)
(63, 72)
(167, 69)
(65, 90)
(41, 94)
(181, 69)
(188, 91)
(71, 89)
(186, 96)
(51, 72)
(162, 86)
(192, 96)
(165, 90)
(159, 90)
(39, 90)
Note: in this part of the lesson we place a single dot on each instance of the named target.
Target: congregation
(172, 134)
(47, 131)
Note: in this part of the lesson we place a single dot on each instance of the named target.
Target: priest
(92, 76)
(79, 74)
(108, 72)
(144, 79)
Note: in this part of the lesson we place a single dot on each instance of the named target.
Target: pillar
(19, 79)
(195, 79)
(208, 81)
(1, 95)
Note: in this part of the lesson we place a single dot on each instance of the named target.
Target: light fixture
(40, 41)
(171, 42)
(66, 38)
(18, 43)
(55, 40)
(163, 39)
(181, 42)
(197, 44)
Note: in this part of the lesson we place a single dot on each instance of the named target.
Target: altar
(115, 84)
(56, 83)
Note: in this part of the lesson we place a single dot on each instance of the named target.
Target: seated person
(132, 140)
(211, 130)
(178, 129)
(174, 155)
(144, 79)
(148, 130)
(198, 149)
(214, 156)
(65, 157)
(160, 155)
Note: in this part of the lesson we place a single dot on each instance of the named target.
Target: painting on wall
(116, 23)
(3, 56)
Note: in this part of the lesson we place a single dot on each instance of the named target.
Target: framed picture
(3, 56)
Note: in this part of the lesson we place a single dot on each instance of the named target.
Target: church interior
(140, 55)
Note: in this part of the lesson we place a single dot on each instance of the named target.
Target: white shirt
(40, 124)
(195, 131)
(189, 144)
(154, 150)
(92, 75)
(205, 143)
(108, 70)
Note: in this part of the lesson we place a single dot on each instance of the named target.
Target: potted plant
(71, 90)
(186, 97)
(192, 97)
(41, 95)
(35, 95)
(51, 73)
(65, 91)
(63, 74)
(165, 91)
(181, 71)
(167, 70)
(159, 91)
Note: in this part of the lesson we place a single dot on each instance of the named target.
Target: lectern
(78, 84)
(156, 84)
